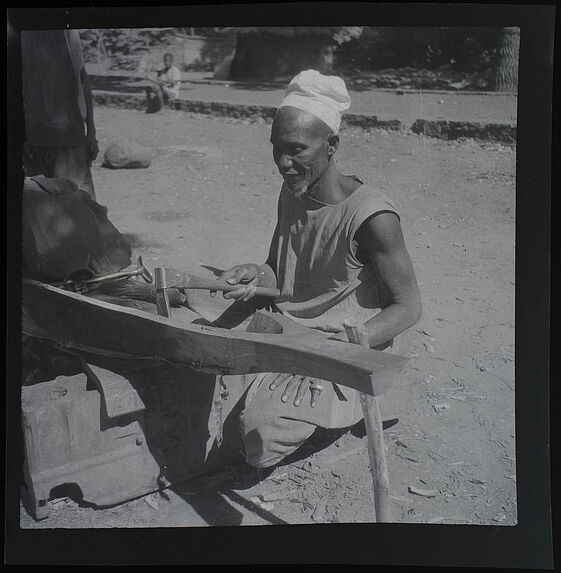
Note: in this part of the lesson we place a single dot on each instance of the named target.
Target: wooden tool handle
(204, 283)
(260, 291)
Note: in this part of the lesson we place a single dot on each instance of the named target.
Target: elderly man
(337, 253)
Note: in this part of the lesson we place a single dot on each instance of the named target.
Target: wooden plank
(82, 323)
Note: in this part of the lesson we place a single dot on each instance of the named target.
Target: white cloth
(326, 97)
(172, 81)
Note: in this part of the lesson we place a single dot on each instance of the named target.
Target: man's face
(168, 61)
(300, 148)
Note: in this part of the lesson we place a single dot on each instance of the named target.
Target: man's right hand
(247, 276)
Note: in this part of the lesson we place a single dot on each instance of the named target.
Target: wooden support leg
(375, 437)
(377, 453)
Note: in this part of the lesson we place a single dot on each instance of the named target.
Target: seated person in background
(166, 88)
(337, 253)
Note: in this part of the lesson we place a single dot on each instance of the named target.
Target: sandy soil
(210, 196)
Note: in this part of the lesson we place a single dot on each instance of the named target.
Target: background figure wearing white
(166, 86)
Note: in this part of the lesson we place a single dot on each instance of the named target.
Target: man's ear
(333, 144)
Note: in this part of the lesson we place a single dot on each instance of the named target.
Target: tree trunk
(506, 78)
(102, 57)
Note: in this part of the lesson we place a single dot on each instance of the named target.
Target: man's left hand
(300, 384)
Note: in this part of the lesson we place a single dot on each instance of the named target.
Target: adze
(165, 278)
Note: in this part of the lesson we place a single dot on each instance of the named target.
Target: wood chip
(448, 519)
(429, 347)
(436, 520)
(439, 407)
(277, 496)
(62, 502)
(319, 511)
(422, 492)
(468, 397)
(423, 331)
(307, 504)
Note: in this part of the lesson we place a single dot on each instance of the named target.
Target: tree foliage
(466, 49)
(109, 46)
(488, 53)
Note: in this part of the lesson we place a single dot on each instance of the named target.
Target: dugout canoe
(270, 342)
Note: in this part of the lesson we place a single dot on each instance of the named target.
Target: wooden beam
(83, 323)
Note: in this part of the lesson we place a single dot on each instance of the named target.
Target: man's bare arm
(381, 238)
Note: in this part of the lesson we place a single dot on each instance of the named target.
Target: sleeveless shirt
(322, 282)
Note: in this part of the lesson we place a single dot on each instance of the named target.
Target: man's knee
(269, 439)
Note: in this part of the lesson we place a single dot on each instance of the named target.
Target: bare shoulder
(382, 231)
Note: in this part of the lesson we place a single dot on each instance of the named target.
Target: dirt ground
(210, 197)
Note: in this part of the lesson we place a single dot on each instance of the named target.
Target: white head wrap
(325, 97)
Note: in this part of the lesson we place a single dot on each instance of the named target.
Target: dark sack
(64, 230)
(127, 156)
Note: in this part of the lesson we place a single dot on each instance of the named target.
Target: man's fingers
(249, 293)
(239, 274)
(304, 385)
(237, 294)
(243, 294)
(290, 387)
(315, 396)
(278, 381)
(233, 275)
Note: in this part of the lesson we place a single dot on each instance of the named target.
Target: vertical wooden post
(375, 436)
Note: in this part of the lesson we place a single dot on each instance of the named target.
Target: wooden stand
(375, 437)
